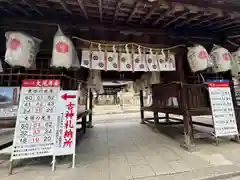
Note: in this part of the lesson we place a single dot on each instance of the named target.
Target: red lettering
(36, 139)
(36, 131)
(69, 114)
(68, 134)
(70, 106)
(67, 143)
(68, 124)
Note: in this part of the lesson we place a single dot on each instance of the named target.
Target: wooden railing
(196, 96)
(180, 95)
(167, 95)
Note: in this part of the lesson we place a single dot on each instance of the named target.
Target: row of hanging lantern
(219, 59)
(126, 59)
(21, 50)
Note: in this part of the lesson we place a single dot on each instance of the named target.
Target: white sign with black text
(36, 120)
(222, 109)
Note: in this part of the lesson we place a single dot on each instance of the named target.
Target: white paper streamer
(126, 49)
(114, 49)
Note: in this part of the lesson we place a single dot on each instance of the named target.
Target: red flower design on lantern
(15, 44)
(62, 47)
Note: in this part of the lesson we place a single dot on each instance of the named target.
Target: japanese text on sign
(222, 109)
(66, 124)
(36, 120)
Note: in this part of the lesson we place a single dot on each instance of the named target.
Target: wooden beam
(234, 36)
(32, 5)
(8, 11)
(232, 43)
(216, 22)
(65, 7)
(100, 6)
(227, 28)
(211, 4)
(47, 22)
(196, 16)
(155, 6)
(80, 2)
(45, 3)
(175, 19)
(162, 16)
(135, 7)
(204, 21)
(118, 6)
(225, 24)
(19, 8)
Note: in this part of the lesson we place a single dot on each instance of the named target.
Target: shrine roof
(175, 19)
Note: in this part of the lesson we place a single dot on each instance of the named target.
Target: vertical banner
(222, 108)
(35, 127)
(66, 124)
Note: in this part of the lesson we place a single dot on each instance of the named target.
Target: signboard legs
(54, 163)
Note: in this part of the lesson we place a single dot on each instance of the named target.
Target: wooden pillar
(167, 118)
(90, 108)
(156, 118)
(187, 120)
(141, 107)
(84, 119)
(86, 99)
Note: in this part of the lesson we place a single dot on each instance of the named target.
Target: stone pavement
(234, 178)
(120, 148)
(6, 135)
(115, 109)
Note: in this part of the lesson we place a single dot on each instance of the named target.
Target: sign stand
(10, 168)
(74, 160)
(54, 163)
(36, 120)
(236, 139)
(223, 113)
(65, 142)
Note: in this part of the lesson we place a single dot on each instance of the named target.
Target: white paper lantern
(171, 62)
(125, 62)
(98, 60)
(63, 54)
(21, 49)
(85, 62)
(198, 58)
(152, 62)
(221, 58)
(161, 58)
(140, 62)
(236, 63)
(112, 61)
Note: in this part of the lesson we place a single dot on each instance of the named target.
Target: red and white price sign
(222, 108)
(66, 125)
(36, 119)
